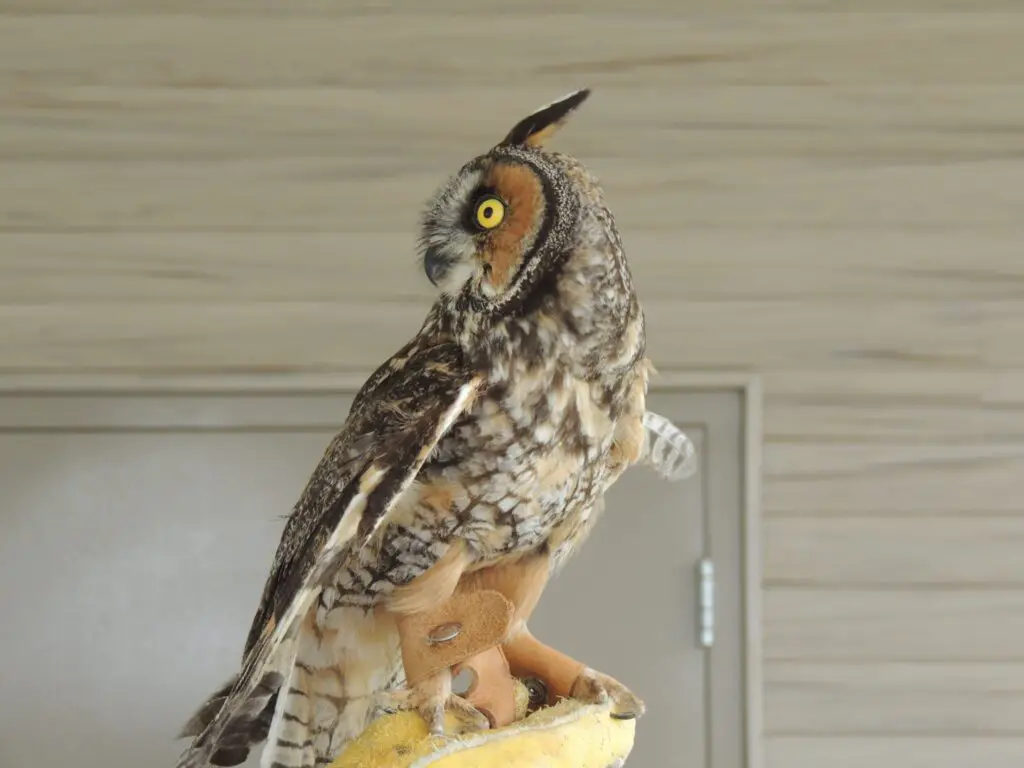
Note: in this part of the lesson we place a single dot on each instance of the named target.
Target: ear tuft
(540, 126)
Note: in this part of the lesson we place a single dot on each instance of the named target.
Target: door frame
(746, 384)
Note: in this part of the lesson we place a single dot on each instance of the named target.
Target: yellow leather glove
(568, 734)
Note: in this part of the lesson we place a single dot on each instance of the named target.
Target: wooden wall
(832, 198)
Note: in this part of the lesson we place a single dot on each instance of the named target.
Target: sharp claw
(625, 715)
(597, 688)
(432, 704)
(471, 717)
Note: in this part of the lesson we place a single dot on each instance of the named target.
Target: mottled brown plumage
(485, 444)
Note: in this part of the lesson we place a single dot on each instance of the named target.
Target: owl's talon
(431, 699)
(624, 716)
(470, 718)
(593, 687)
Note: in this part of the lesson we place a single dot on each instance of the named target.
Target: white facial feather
(444, 231)
(458, 275)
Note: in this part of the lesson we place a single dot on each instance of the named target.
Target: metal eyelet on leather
(538, 692)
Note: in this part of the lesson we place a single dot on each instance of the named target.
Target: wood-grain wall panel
(244, 336)
(895, 551)
(895, 752)
(896, 698)
(944, 624)
(703, 264)
(684, 124)
(811, 478)
(337, 194)
(211, 267)
(805, 334)
(913, 406)
(192, 50)
(539, 9)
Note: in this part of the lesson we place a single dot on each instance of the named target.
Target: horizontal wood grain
(184, 122)
(912, 406)
(536, 8)
(332, 194)
(894, 752)
(797, 334)
(918, 625)
(826, 479)
(896, 699)
(895, 551)
(703, 264)
(170, 267)
(398, 48)
(273, 337)
(677, 123)
(55, 413)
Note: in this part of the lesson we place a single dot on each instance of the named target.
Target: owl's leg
(461, 630)
(564, 677)
(432, 697)
(443, 627)
(561, 676)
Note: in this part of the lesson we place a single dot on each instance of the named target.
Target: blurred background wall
(828, 194)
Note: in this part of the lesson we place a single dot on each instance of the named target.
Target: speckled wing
(395, 423)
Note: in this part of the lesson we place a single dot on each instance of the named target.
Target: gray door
(627, 603)
(135, 534)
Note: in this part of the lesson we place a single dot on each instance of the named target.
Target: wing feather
(395, 424)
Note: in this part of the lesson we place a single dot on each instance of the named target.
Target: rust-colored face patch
(521, 190)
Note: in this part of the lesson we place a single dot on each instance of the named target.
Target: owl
(471, 464)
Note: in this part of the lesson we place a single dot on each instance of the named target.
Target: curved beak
(436, 265)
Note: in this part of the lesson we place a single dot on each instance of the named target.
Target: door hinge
(706, 602)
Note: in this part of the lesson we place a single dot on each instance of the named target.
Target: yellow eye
(489, 212)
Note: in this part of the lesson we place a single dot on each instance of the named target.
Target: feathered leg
(437, 631)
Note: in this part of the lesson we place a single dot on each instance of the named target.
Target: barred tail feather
(203, 716)
(333, 674)
(289, 741)
(313, 721)
(667, 449)
(334, 690)
(225, 731)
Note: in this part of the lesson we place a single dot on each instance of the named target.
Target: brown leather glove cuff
(492, 689)
(458, 629)
(528, 657)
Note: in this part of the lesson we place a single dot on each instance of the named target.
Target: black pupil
(488, 211)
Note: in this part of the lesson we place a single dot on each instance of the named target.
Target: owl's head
(496, 228)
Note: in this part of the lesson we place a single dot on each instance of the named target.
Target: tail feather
(327, 690)
(203, 716)
(289, 741)
(248, 729)
(225, 730)
(333, 691)
(667, 449)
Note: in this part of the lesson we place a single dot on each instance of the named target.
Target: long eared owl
(478, 453)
